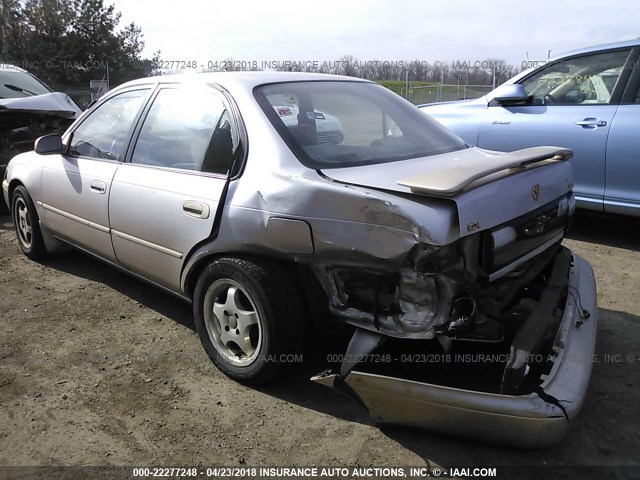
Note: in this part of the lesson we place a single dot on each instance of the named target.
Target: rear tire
(249, 317)
(27, 224)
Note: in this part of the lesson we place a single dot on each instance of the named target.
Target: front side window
(104, 133)
(342, 124)
(189, 129)
(585, 80)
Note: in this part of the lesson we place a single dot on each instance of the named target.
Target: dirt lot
(97, 368)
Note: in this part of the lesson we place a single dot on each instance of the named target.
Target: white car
(328, 128)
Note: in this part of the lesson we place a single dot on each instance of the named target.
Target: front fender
(25, 170)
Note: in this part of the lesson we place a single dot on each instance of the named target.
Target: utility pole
(494, 75)
(406, 81)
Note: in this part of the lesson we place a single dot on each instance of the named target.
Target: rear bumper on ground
(528, 421)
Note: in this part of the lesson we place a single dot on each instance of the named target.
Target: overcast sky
(325, 30)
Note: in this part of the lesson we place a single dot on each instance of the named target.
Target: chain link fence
(443, 92)
(419, 94)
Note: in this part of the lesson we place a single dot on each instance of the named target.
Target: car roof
(595, 48)
(245, 79)
(571, 53)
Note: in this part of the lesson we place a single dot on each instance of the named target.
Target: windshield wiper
(15, 88)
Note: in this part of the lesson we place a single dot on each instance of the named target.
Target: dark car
(28, 110)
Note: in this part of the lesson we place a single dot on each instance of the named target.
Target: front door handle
(591, 123)
(98, 187)
(196, 209)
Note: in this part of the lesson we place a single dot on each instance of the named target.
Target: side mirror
(48, 145)
(504, 94)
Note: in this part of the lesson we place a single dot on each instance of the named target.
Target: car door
(622, 194)
(76, 184)
(573, 103)
(165, 197)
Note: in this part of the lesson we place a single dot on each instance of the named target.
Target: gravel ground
(97, 368)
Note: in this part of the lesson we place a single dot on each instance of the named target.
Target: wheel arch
(192, 272)
(12, 186)
(315, 301)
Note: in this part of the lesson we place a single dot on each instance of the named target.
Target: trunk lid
(489, 188)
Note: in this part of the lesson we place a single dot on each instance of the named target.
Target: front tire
(27, 224)
(249, 318)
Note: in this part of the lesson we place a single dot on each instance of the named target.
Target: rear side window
(590, 79)
(188, 129)
(104, 133)
(341, 124)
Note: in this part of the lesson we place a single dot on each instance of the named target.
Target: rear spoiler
(466, 175)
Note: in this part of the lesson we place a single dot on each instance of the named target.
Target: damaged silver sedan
(277, 202)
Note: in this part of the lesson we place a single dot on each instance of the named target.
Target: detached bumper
(528, 421)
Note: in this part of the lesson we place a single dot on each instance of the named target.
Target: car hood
(489, 188)
(450, 102)
(56, 102)
(456, 105)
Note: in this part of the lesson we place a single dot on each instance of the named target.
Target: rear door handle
(591, 123)
(196, 209)
(98, 187)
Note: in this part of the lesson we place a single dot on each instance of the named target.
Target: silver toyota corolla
(278, 201)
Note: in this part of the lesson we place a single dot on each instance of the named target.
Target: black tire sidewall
(36, 249)
(264, 367)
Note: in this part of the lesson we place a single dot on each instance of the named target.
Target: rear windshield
(17, 84)
(341, 124)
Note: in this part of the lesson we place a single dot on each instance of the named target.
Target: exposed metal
(534, 420)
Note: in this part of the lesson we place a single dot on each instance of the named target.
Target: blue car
(587, 100)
